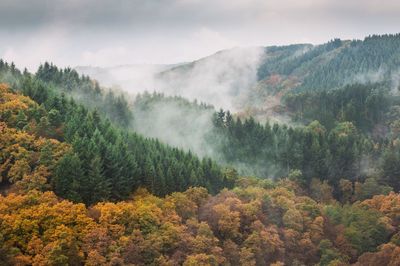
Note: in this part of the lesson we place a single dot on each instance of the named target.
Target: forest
(84, 180)
(334, 64)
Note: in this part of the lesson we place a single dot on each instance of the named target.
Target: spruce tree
(68, 175)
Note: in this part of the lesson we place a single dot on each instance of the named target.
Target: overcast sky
(115, 32)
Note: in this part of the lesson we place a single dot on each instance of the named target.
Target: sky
(117, 32)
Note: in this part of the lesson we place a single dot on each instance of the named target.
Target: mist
(133, 79)
(172, 113)
(175, 121)
(190, 125)
(222, 79)
(381, 75)
(395, 78)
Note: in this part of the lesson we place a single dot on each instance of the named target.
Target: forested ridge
(80, 186)
(333, 64)
(257, 86)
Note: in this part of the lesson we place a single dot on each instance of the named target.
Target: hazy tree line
(366, 106)
(49, 80)
(357, 138)
(349, 133)
(277, 150)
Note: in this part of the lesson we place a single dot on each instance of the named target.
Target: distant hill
(219, 79)
(331, 65)
(252, 80)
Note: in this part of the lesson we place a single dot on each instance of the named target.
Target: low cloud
(222, 79)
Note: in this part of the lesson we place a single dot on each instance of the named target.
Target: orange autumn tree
(26, 159)
(232, 228)
(42, 230)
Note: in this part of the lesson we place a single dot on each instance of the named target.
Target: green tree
(68, 177)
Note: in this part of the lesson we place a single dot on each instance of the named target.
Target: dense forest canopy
(334, 64)
(89, 176)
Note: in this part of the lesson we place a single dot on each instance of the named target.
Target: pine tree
(68, 177)
(96, 187)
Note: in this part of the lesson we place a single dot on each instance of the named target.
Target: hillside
(91, 176)
(258, 222)
(103, 161)
(200, 133)
(219, 79)
(253, 80)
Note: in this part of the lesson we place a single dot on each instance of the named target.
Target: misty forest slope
(103, 160)
(305, 67)
(349, 132)
(337, 82)
(245, 79)
(89, 176)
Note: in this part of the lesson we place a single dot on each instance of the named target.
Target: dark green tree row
(284, 60)
(50, 79)
(344, 145)
(364, 105)
(304, 153)
(390, 165)
(110, 163)
(276, 150)
(86, 91)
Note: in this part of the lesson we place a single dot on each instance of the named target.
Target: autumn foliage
(246, 226)
(259, 222)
